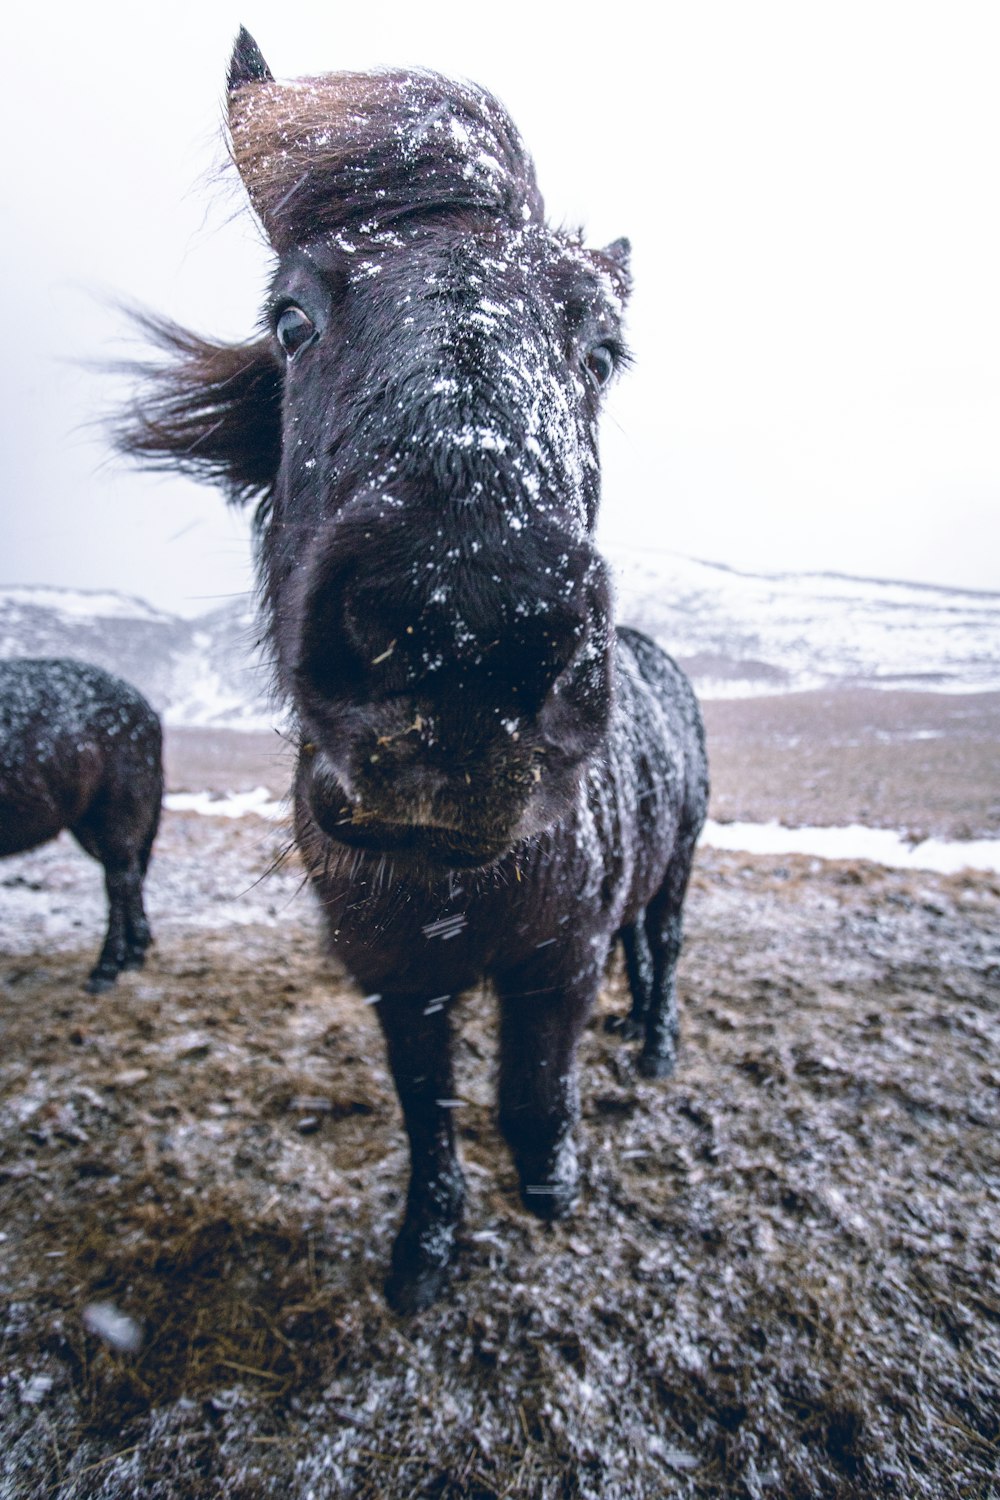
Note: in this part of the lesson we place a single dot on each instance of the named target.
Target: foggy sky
(812, 196)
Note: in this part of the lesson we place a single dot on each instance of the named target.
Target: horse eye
(601, 363)
(294, 329)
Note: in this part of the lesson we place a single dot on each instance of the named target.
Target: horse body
(493, 781)
(572, 888)
(540, 924)
(80, 749)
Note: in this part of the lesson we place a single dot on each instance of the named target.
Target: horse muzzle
(415, 811)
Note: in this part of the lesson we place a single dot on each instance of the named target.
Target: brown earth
(782, 1279)
(925, 763)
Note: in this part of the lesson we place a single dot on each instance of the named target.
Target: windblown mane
(209, 410)
(334, 152)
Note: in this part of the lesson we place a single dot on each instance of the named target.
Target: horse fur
(82, 750)
(334, 152)
(494, 782)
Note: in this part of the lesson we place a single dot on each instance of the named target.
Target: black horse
(492, 780)
(80, 749)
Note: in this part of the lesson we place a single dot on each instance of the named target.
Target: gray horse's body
(81, 749)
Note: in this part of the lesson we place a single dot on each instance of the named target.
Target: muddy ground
(782, 1279)
(924, 763)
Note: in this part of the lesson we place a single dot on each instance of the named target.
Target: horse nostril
(523, 665)
(372, 630)
(335, 642)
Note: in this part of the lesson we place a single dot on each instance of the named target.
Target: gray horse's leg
(664, 932)
(119, 883)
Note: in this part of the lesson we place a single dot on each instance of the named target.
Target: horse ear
(247, 63)
(248, 72)
(615, 260)
(620, 251)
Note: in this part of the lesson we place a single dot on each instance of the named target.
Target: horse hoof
(549, 1188)
(417, 1279)
(549, 1201)
(410, 1291)
(656, 1064)
(624, 1026)
(135, 960)
(99, 984)
(422, 1259)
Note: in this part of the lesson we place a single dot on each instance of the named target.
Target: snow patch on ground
(882, 846)
(233, 805)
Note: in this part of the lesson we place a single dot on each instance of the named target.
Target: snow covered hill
(200, 672)
(748, 632)
(736, 633)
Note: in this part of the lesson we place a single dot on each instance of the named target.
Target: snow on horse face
(442, 614)
(80, 749)
(492, 781)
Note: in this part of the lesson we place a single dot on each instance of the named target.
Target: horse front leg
(418, 1043)
(540, 1025)
(138, 933)
(113, 953)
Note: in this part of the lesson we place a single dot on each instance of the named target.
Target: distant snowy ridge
(736, 633)
(83, 603)
(203, 671)
(750, 632)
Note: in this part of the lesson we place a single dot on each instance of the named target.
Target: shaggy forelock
(346, 149)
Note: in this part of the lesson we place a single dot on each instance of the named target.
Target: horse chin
(412, 835)
(421, 845)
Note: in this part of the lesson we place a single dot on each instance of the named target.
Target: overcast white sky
(813, 195)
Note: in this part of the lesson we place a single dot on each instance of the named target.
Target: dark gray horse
(80, 749)
(493, 781)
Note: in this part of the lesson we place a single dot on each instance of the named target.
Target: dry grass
(782, 1280)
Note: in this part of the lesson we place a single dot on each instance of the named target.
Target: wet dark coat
(493, 780)
(80, 749)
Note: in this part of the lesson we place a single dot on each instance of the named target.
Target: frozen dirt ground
(781, 1280)
(924, 763)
